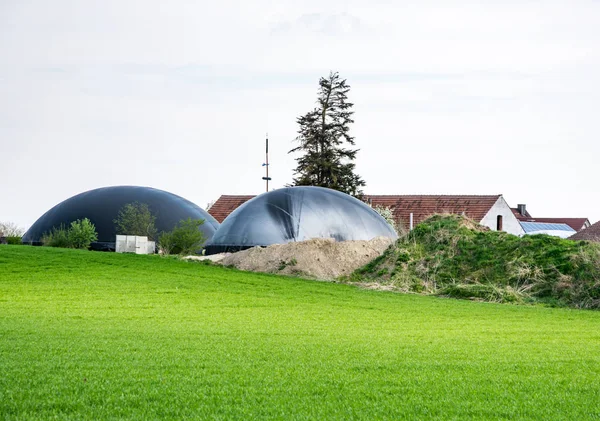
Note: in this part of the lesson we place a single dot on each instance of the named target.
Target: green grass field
(87, 335)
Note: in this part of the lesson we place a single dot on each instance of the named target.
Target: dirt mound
(317, 258)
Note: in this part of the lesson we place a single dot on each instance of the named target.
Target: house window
(499, 223)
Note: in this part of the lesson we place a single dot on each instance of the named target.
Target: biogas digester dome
(101, 207)
(298, 214)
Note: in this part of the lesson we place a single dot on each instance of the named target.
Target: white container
(134, 244)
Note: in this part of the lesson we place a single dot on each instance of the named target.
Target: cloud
(338, 24)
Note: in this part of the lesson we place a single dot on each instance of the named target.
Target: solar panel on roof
(545, 226)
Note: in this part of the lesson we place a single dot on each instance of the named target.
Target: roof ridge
(437, 195)
(557, 217)
(238, 195)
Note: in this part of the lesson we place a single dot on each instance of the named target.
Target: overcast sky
(451, 97)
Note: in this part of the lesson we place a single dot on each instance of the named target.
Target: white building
(556, 230)
(490, 211)
(558, 227)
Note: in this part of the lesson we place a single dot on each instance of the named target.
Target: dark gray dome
(101, 207)
(298, 214)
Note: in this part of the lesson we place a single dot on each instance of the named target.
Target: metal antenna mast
(266, 164)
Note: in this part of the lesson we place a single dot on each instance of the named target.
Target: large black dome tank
(101, 207)
(298, 214)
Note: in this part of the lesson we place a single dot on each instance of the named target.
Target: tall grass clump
(454, 256)
(57, 237)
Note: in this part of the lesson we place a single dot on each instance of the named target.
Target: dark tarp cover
(101, 207)
(298, 214)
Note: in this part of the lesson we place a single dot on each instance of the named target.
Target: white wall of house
(510, 223)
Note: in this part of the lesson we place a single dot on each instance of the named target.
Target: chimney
(522, 210)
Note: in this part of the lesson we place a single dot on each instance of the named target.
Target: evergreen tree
(323, 135)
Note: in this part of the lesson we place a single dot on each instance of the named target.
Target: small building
(556, 230)
(577, 224)
(591, 233)
(550, 226)
(491, 211)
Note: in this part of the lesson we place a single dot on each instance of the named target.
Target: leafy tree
(82, 233)
(186, 237)
(323, 137)
(10, 229)
(136, 219)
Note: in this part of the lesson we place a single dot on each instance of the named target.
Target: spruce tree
(324, 139)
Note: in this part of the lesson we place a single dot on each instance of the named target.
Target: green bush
(14, 240)
(136, 219)
(82, 233)
(57, 237)
(166, 242)
(186, 238)
(79, 235)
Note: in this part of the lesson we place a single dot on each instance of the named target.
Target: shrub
(57, 237)
(166, 242)
(186, 237)
(13, 239)
(82, 233)
(136, 219)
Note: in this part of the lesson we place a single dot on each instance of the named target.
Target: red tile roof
(576, 223)
(474, 207)
(518, 214)
(591, 234)
(225, 205)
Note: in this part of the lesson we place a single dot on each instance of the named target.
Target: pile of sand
(318, 258)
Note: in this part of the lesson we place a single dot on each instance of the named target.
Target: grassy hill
(453, 256)
(87, 335)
